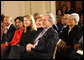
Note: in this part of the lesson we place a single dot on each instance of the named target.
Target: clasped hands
(77, 46)
(7, 43)
(28, 47)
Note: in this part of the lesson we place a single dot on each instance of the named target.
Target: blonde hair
(51, 17)
(32, 25)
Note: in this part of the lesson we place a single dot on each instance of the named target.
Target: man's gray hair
(51, 17)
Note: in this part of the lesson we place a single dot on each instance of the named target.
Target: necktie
(81, 40)
(37, 39)
(5, 30)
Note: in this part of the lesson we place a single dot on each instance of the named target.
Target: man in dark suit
(43, 46)
(9, 31)
(68, 6)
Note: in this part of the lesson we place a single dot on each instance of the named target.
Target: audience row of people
(36, 37)
(29, 41)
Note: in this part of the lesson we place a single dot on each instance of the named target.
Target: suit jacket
(45, 47)
(27, 37)
(72, 36)
(59, 25)
(70, 11)
(79, 35)
(55, 27)
(9, 35)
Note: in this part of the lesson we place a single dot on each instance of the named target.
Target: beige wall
(59, 4)
(21, 8)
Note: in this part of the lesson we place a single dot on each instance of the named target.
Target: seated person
(36, 15)
(2, 26)
(18, 33)
(64, 22)
(69, 9)
(9, 31)
(78, 46)
(2, 31)
(38, 22)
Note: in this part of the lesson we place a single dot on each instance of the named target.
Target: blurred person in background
(63, 9)
(81, 20)
(36, 15)
(69, 9)
(59, 15)
(2, 25)
(65, 22)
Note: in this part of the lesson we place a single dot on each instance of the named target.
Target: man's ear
(51, 22)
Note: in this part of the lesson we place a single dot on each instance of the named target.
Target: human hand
(7, 43)
(28, 49)
(30, 46)
(76, 46)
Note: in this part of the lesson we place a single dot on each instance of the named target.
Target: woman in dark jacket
(29, 31)
(69, 35)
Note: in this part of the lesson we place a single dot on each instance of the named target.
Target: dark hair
(63, 6)
(60, 10)
(69, 1)
(36, 14)
(80, 12)
(20, 18)
(38, 18)
(2, 17)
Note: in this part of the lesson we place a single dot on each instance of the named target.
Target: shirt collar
(47, 28)
(65, 26)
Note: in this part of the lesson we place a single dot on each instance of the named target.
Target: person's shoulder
(13, 27)
(52, 31)
(77, 27)
(17, 31)
(66, 28)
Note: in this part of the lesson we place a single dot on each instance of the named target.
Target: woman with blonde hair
(32, 22)
(29, 31)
